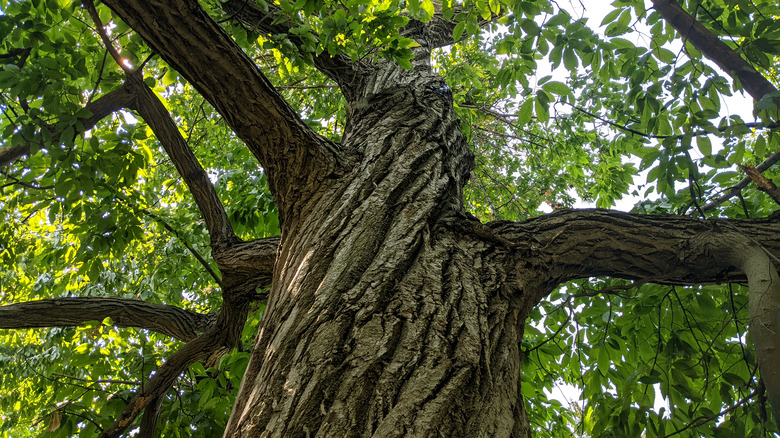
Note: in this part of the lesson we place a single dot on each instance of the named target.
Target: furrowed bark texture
(65, 312)
(382, 315)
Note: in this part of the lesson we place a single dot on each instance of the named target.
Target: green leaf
(457, 32)
(556, 87)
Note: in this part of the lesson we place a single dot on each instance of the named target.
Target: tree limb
(152, 110)
(67, 312)
(714, 49)
(188, 39)
(157, 117)
(660, 249)
(224, 334)
(100, 108)
(249, 264)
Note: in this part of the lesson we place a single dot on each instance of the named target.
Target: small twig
(610, 290)
(703, 420)
(557, 332)
(109, 381)
(176, 234)
(17, 181)
(101, 30)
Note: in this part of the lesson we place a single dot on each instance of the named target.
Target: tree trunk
(383, 320)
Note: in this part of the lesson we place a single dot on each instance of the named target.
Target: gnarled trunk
(383, 320)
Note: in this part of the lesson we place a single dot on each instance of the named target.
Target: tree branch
(67, 312)
(188, 39)
(714, 49)
(152, 110)
(249, 264)
(660, 249)
(100, 108)
(735, 190)
(157, 117)
(764, 184)
(225, 334)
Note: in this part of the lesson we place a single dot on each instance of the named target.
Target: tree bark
(66, 312)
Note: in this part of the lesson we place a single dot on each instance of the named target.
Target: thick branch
(192, 43)
(716, 50)
(248, 263)
(100, 108)
(66, 312)
(157, 117)
(660, 249)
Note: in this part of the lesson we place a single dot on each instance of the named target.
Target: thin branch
(101, 30)
(736, 189)
(109, 381)
(703, 420)
(564, 324)
(225, 334)
(102, 107)
(764, 184)
(154, 113)
(17, 181)
(206, 265)
(609, 290)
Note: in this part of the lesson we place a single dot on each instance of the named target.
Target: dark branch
(714, 49)
(157, 117)
(152, 110)
(186, 244)
(764, 184)
(186, 37)
(100, 108)
(223, 335)
(248, 263)
(67, 312)
(659, 249)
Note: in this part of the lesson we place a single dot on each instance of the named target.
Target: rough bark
(173, 321)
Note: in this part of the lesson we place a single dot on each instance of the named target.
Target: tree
(401, 301)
